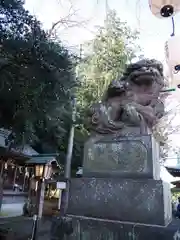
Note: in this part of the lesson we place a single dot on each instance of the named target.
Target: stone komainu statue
(131, 101)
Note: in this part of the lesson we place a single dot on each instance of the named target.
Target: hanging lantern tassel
(164, 9)
(172, 54)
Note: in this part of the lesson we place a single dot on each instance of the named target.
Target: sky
(154, 32)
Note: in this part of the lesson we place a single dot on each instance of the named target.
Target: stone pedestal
(138, 201)
(121, 183)
(98, 229)
(122, 157)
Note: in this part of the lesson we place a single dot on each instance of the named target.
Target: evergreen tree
(108, 53)
(36, 79)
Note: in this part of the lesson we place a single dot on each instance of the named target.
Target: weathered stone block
(140, 201)
(130, 157)
(97, 229)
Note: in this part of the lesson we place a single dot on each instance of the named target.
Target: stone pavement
(11, 218)
(95, 229)
(12, 204)
(11, 210)
(21, 227)
(14, 193)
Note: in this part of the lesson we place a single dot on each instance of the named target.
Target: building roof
(177, 167)
(175, 182)
(26, 150)
(19, 153)
(4, 133)
(174, 170)
(42, 159)
(25, 155)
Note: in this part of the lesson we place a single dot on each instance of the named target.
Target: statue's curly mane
(146, 64)
(143, 72)
(132, 101)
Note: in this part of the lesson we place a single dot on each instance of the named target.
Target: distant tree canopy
(114, 46)
(104, 59)
(36, 79)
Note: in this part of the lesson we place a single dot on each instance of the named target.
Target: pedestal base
(139, 201)
(96, 229)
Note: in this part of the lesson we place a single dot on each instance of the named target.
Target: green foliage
(175, 195)
(107, 55)
(36, 79)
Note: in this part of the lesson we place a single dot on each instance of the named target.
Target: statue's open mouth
(144, 79)
(147, 78)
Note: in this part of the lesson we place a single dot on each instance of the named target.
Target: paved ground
(12, 210)
(12, 204)
(14, 193)
(22, 227)
(11, 217)
(12, 199)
